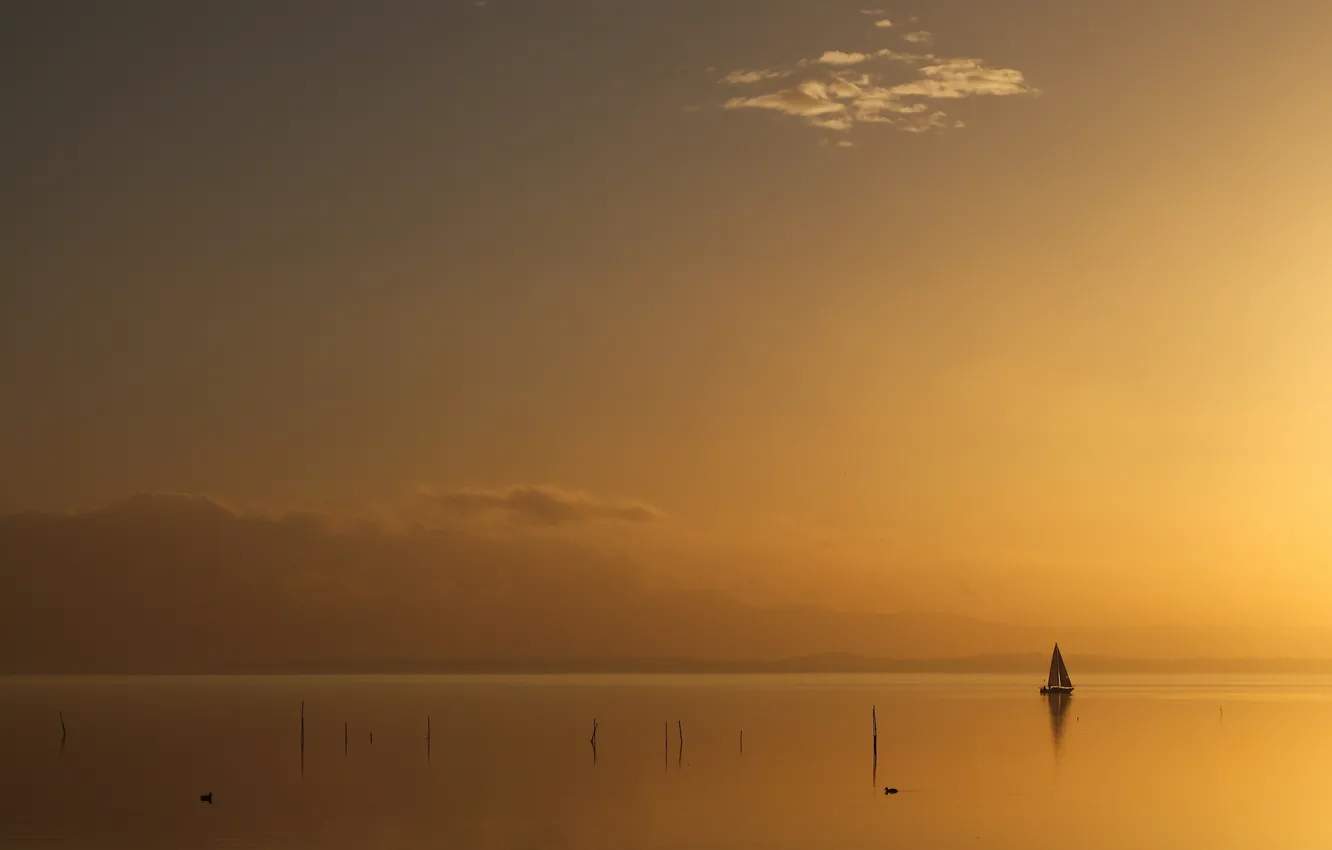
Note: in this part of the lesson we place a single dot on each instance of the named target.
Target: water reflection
(1058, 711)
(506, 781)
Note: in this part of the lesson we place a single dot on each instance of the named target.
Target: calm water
(982, 762)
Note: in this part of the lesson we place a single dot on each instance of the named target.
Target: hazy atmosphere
(450, 333)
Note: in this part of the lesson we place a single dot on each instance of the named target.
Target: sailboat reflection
(1058, 709)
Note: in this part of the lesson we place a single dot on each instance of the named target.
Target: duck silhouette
(206, 798)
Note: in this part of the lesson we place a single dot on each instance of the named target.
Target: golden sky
(1017, 310)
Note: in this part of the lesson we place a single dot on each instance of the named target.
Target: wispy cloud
(957, 78)
(873, 11)
(841, 89)
(536, 505)
(837, 57)
(744, 78)
(883, 23)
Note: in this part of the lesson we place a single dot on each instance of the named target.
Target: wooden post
(679, 758)
(874, 720)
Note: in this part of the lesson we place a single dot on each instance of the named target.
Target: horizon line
(830, 663)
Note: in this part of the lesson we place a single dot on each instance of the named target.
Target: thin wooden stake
(679, 758)
(874, 719)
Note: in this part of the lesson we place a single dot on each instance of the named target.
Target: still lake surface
(981, 761)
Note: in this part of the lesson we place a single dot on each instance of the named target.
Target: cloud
(841, 90)
(183, 584)
(838, 123)
(811, 99)
(873, 11)
(883, 23)
(535, 505)
(958, 78)
(744, 78)
(837, 57)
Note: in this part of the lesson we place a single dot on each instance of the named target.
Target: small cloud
(935, 121)
(883, 23)
(536, 505)
(873, 11)
(838, 123)
(837, 57)
(920, 37)
(745, 78)
(845, 143)
(958, 78)
(908, 58)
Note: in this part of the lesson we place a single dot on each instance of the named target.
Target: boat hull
(1056, 690)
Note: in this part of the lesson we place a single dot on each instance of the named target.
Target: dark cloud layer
(182, 583)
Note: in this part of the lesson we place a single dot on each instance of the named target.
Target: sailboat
(1059, 682)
